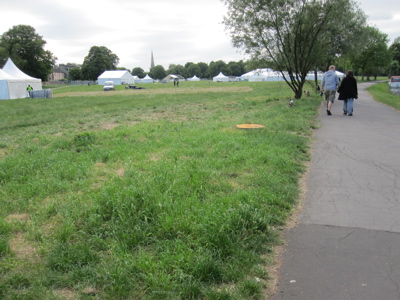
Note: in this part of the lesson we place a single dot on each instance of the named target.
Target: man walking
(330, 83)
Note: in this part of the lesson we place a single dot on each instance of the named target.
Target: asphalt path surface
(347, 241)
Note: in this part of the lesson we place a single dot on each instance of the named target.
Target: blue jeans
(348, 105)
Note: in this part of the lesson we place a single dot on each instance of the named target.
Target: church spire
(152, 60)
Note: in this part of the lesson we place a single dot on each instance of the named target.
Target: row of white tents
(124, 77)
(14, 82)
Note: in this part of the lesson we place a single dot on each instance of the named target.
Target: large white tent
(271, 75)
(262, 75)
(147, 79)
(258, 76)
(14, 82)
(220, 78)
(118, 77)
(311, 75)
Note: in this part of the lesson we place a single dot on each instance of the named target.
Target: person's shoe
(329, 112)
(345, 112)
(350, 114)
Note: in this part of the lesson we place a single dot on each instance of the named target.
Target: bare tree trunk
(316, 78)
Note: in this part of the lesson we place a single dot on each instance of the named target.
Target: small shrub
(83, 141)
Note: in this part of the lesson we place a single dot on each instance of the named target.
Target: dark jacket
(348, 88)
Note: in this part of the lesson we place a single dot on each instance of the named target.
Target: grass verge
(381, 93)
(153, 195)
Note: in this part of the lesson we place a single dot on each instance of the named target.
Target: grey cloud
(61, 22)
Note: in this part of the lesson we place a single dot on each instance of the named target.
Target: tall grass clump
(149, 195)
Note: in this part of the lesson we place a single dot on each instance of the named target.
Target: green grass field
(148, 194)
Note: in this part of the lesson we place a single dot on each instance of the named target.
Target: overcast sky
(177, 31)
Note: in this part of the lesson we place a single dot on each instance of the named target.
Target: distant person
(329, 85)
(29, 89)
(348, 92)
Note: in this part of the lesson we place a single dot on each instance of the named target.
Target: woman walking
(348, 92)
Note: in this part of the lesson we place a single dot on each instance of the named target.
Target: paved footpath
(347, 241)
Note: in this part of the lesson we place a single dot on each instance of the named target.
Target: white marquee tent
(13, 82)
(262, 75)
(194, 78)
(147, 79)
(258, 76)
(271, 75)
(118, 77)
(220, 78)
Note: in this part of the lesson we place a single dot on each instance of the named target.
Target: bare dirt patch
(120, 172)
(127, 92)
(21, 247)
(17, 217)
(2, 153)
(109, 126)
(90, 291)
(66, 293)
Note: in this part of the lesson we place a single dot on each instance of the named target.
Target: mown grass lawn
(148, 194)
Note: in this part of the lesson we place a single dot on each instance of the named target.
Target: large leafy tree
(26, 49)
(342, 40)
(138, 72)
(291, 34)
(345, 34)
(75, 74)
(394, 68)
(98, 60)
(374, 58)
(395, 51)
(157, 72)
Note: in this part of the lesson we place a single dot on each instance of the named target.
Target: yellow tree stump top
(250, 126)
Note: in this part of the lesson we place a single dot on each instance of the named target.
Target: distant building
(62, 71)
(57, 74)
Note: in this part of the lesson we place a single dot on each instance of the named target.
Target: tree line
(92, 67)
